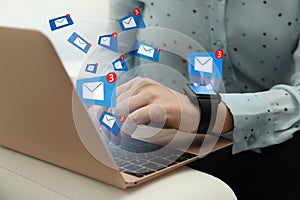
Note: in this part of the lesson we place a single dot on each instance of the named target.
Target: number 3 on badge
(111, 77)
(219, 54)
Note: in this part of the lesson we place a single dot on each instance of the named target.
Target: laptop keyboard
(139, 158)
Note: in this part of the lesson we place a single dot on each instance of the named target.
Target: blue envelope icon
(60, 22)
(109, 42)
(97, 91)
(111, 122)
(92, 68)
(80, 43)
(131, 22)
(120, 65)
(204, 64)
(146, 51)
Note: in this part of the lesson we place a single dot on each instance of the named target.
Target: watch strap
(208, 108)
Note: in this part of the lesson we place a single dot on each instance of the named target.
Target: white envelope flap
(61, 22)
(149, 49)
(78, 41)
(129, 22)
(105, 41)
(92, 86)
(204, 64)
(93, 91)
(109, 120)
(146, 50)
(203, 59)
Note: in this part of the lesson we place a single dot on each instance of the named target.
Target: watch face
(206, 68)
(203, 90)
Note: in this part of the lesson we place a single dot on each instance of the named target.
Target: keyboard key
(139, 175)
(125, 157)
(147, 156)
(188, 155)
(164, 154)
(171, 164)
(138, 161)
(173, 158)
(161, 161)
(181, 159)
(146, 172)
(121, 163)
(153, 166)
(132, 167)
(173, 151)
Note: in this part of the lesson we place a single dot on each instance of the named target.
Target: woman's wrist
(224, 120)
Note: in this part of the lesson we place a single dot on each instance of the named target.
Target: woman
(261, 68)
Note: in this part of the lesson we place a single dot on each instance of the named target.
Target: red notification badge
(121, 118)
(114, 34)
(68, 15)
(219, 54)
(89, 44)
(158, 48)
(111, 77)
(122, 57)
(136, 11)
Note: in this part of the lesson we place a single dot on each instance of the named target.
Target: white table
(23, 177)
(90, 18)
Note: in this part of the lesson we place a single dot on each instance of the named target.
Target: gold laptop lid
(36, 115)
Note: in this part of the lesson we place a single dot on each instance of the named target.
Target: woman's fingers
(153, 114)
(130, 104)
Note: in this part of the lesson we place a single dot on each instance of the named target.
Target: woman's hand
(145, 101)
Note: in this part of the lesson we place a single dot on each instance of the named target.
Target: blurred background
(90, 17)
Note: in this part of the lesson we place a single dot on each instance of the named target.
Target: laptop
(37, 118)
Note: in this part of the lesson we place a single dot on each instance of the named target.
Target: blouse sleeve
(265, 118)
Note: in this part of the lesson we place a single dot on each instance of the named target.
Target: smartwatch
(208, 101)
